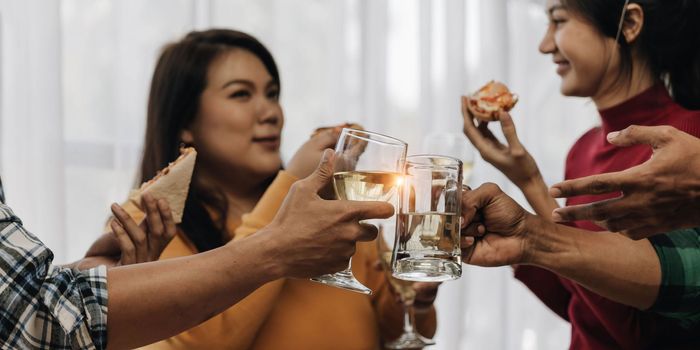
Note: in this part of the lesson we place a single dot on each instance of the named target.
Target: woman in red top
(639, 61)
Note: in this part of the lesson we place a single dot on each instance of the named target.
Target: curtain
(75, 78)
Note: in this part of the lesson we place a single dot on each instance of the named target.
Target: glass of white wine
(409, 339)
(428, 226)
(452, 144)
(368, 167)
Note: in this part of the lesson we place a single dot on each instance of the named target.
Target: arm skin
(512, 159)
(608, 264)
(659, 195)
(308, 237)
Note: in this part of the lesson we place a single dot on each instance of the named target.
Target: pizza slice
(490, 100)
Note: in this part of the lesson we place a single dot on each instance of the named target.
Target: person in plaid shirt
(50, 307)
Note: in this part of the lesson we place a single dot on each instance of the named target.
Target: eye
(240, 94)
(273, 94)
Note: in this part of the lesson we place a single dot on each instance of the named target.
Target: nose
(269, 112)
(547, 45)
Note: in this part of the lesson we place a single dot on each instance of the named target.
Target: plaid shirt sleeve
(44, 306)
(679, 293)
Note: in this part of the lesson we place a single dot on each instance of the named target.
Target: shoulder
(585, 142)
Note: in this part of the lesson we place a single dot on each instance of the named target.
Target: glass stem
(349, 269)
(408, 318)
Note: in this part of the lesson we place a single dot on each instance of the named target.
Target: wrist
(540, 243)
(267, 252)
(534, 182)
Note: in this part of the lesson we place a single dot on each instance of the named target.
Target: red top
(597, 322)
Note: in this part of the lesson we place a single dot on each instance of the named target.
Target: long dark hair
(178, 81)
(669, 40)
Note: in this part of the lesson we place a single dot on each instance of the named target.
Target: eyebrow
(250, 84)
(237, 81)
(554, 8)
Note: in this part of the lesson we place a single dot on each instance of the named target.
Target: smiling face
(586, 60)
(238, 125)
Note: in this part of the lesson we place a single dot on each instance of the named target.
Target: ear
(633, 24)
(186, 137)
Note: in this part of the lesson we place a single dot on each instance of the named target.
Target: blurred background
(75, 77)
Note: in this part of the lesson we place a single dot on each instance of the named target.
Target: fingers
(128, 251)
(596, 184)
(426, 293)
(368, 232)
(472, 133)
(134, 232)
(158, 242)
(326, 138)
(509, 131)
(654, 136)
(168, 221)
(596, 211)
(323, 173)
(370, 210)
(480, 197)
(153, 221)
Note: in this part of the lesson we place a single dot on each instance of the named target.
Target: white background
(75, 77)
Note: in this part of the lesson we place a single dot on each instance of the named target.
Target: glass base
(411, 340)
(427, 270)
(344, 280)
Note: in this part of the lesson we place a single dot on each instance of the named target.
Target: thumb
(323, 173)
(654, 136)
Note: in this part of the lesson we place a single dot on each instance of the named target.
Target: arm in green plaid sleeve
(679, 293)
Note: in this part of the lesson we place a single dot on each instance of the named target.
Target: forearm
(537, 194)
(177, 294)
(608, 264)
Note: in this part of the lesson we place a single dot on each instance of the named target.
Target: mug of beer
(427, 248)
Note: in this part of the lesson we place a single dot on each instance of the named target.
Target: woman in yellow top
(218, 90)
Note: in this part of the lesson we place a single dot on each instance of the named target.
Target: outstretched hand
(658, 196)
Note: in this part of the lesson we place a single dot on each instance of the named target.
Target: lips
(271, 142)
(562, 66)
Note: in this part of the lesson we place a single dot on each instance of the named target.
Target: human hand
(512, 159)
(426, 292)
(315, 236)
(306, 158)
(144, 242)
(495, 228)
(658, 196)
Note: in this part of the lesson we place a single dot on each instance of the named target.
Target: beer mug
(427, 248)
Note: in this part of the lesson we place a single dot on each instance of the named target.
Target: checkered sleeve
(44, 306)
(679, 293)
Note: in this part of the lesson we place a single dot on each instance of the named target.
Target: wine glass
(452, 144)
(409, 339)
(368, 167)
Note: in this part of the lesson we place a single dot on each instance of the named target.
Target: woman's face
(238, 126)
(586, 60)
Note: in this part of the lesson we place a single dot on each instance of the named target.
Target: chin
(268, 167)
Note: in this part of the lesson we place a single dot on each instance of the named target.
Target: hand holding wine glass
(368, 167)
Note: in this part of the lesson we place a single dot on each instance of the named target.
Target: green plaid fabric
(679, 294)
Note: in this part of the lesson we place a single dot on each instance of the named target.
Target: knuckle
(597, 186)
(666, 132)
(491, 187)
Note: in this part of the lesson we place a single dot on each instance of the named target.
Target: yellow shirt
(299, 314)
